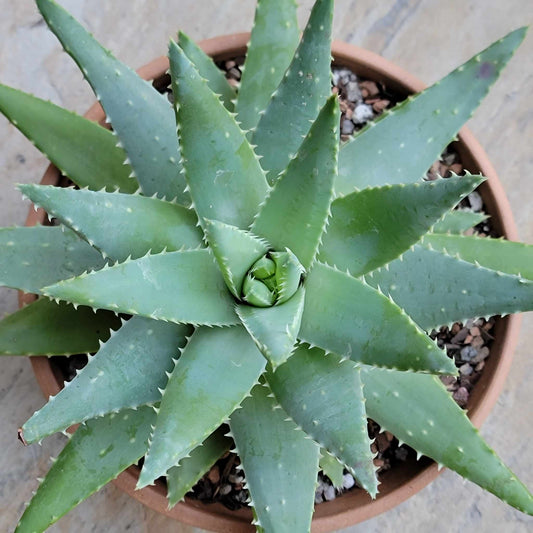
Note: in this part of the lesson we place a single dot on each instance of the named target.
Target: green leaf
(128, 371)
(223, 173)
(295, 213)
(235, 250)
(418, 410)
(275, 35)
(458, 221)
(207, 69)
(81, 149)
(274, 329)
(221, 359)
(139, 224)
(496, 254)
(331, 467)
(141, 117)
(56, 329)
(436, 289)
(31, 258)
(99, 451)
(371, 227)
(182, 478)
(181, 287)
(279, 461)
(324, 395)
(300, 95)
(423, 125)
(345, 316)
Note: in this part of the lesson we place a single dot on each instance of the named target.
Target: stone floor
(428, 38)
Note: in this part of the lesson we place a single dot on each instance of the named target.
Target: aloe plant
(263, 275)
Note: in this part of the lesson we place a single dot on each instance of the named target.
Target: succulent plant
(263, 275)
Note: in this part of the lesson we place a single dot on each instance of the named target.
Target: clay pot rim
(340, 512)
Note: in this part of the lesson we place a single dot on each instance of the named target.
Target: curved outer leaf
(182, 478)
(138, 224)
(275, 35)
(181, 287)
(300, 95)
(127, 372)
(279, 461)
(81, 149)
(324, 396)
(235, 250)
(345, 316)
(99, 451)
(371, 227)
(458, 221)
(56, 329)
(295, 213)
(31, 258)
(418, 410)
(224, 359)
(274, 329)
(436, 289)
(141, 117)
(331, 467)
(206, 67)
(423, 124)
(496, 254)
(223, 173)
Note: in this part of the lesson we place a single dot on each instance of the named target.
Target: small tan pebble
(480, 366)
(233, 83)
(456, 327)
(443, 169)
(380, 105)
(461, 396)
(234, 73)
(379, 462)
(334, 90)
(214, 475)
(370, 87)
(374, 447)
(389, 435)
(457, 168)
(478, 342)
(475, 331)
(468, 339)
(230, 64)
(343, 106)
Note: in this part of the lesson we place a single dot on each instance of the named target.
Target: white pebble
(362, 113)
(348, 481)
(329, 493)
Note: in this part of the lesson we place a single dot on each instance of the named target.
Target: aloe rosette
(258, 274)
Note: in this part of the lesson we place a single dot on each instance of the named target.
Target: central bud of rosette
(272, 279)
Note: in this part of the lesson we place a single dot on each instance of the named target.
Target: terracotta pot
(401, 482)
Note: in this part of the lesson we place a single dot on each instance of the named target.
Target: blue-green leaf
(141, 117)
(221, 359)
(345, 316)
(56, 329)
(181, 287)
(127, 372)
(382, 153)
(81, 149)
(97, 453)
(139, 224)
(279, 461)
(223, 173)
(31, 258)
(300, 95)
